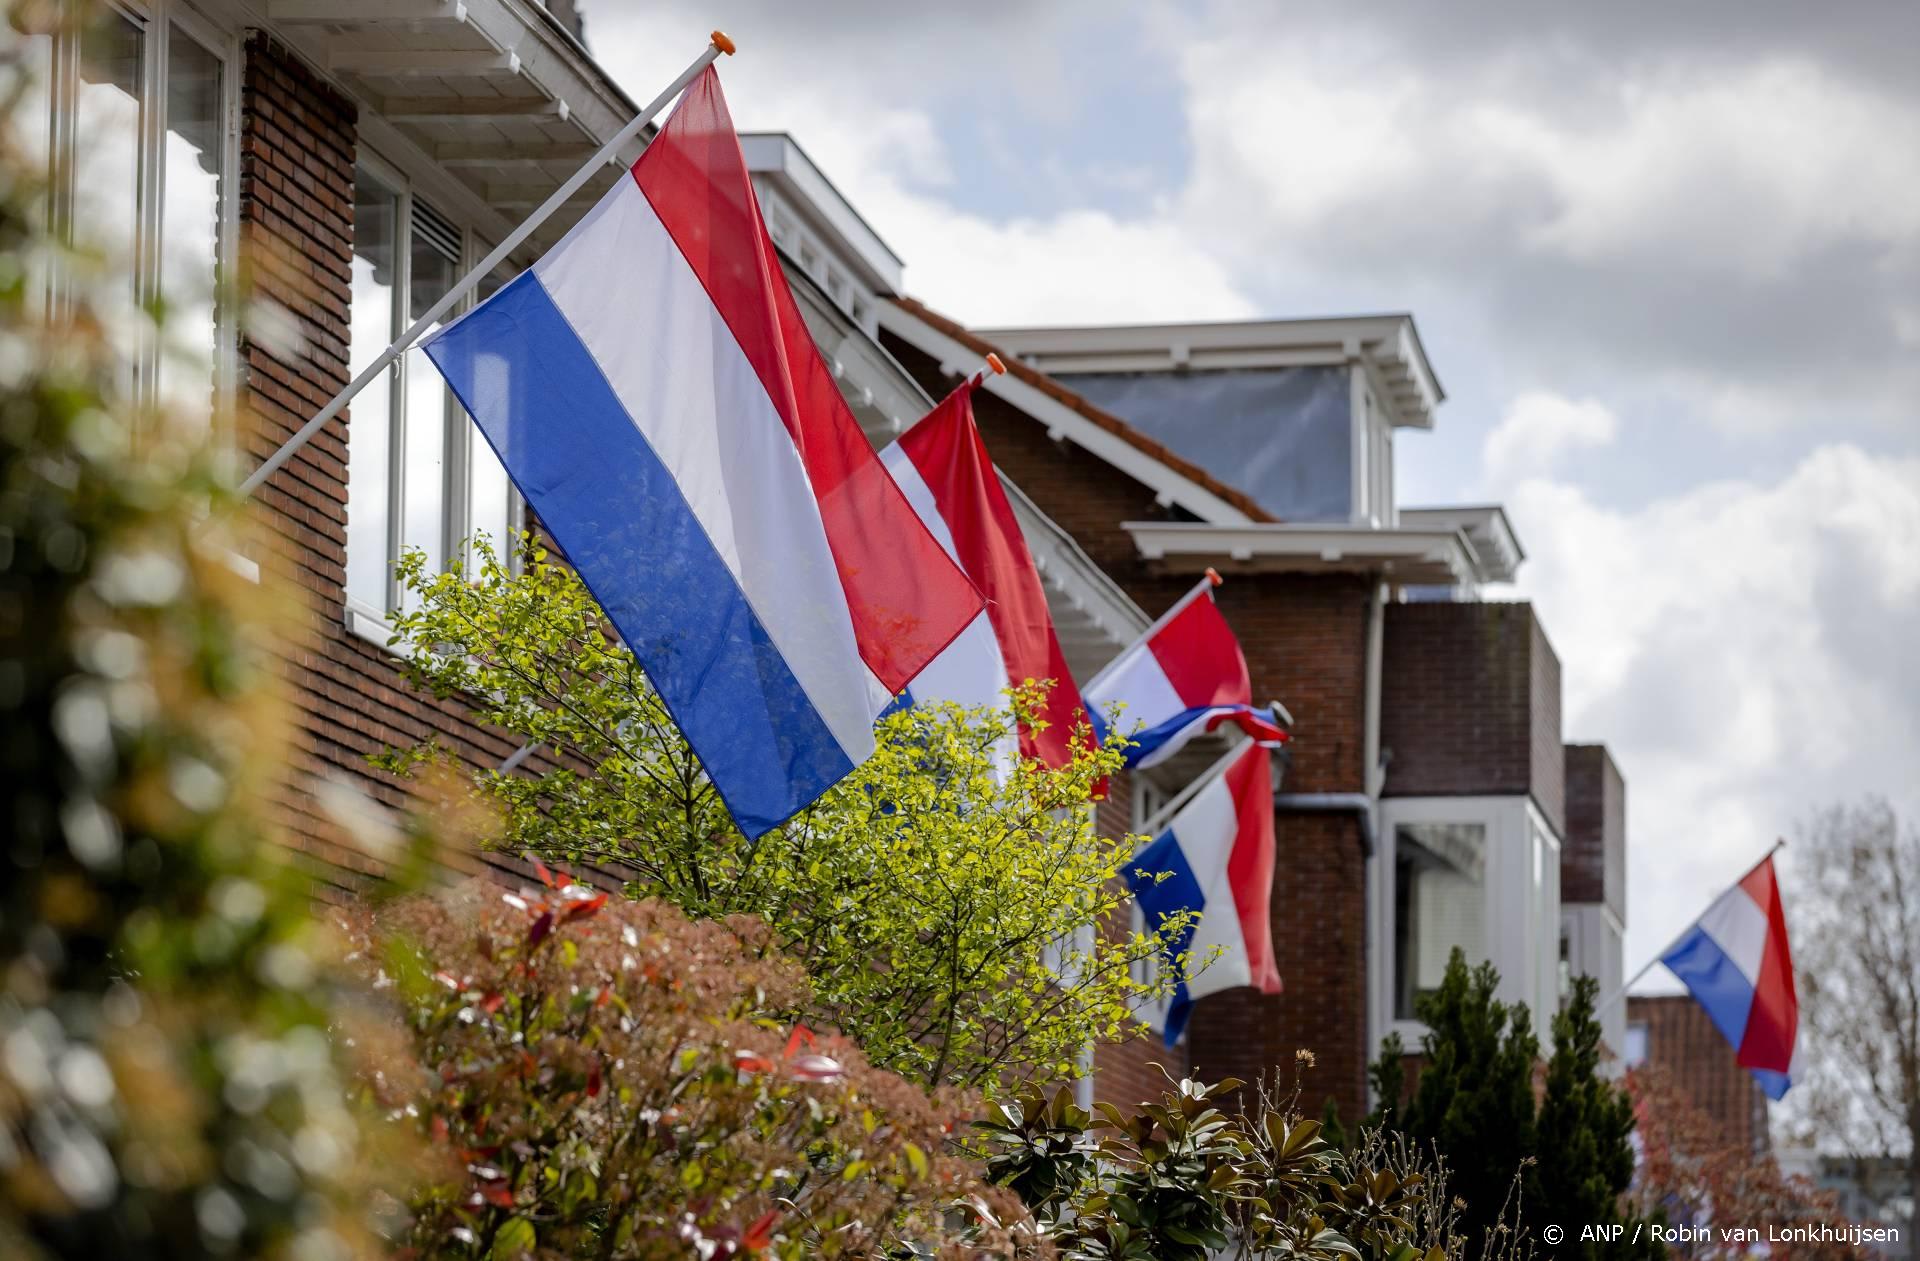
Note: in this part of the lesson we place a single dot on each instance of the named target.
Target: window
(1478, 873)
(419, 474)
(1636, 1052)
(1439, 904)
(139, 131)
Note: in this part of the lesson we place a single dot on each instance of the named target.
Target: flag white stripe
(676, 368)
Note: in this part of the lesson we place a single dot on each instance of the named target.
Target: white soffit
(1486, 527)
(1414, 557)
(502, 101)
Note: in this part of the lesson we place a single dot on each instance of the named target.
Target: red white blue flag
(1215, 860)
(1184, 677)
(941, 466)
(654, 393)
(1737, 963)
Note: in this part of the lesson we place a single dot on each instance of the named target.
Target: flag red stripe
(1250, 864)
(946, 448)
(1201, 657)
(908, 599)
(1773, 1020)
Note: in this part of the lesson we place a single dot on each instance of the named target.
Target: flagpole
(1165, 813)
(1206, 584)
(720, 44)
(1606, 1004)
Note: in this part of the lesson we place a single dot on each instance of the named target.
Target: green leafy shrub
(1183, 1179)
(602, 1087)
(948, 917)
(1519, 1161)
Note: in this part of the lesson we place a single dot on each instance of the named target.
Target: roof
(777, 156)
(1388, 346)
(1178, 477)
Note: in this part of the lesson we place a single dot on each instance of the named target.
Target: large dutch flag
(942, 467)
(652, 390)
(1184, 677)
(1738, 965)
(1215, 860)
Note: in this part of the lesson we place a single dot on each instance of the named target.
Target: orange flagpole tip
(724, 44)
(993, 361)
(1213, 576)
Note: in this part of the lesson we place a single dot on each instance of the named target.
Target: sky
(1665, 261)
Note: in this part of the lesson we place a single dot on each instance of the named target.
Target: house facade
(346, 161)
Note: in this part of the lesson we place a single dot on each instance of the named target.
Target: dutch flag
(1737, 963)
(652, 390)
(941, 466)
(1216, 860)
(1184, 677)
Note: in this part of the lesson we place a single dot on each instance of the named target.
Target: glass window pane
(489, 494)
(376, 227)
(106, 160)
(433, 260)
(190, 228)
(28, 80)
(1439, 903)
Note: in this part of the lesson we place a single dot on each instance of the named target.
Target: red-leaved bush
(600, 1088)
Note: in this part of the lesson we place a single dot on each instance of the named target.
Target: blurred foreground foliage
(173, 1080)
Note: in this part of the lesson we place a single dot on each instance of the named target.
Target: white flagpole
(1200, 588)
(1606, 1004)
(720, 44)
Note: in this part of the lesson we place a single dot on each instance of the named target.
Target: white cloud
(890, 162)
(1538, 428)
(1744, 648)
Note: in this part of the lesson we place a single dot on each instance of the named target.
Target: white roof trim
(1062, 421)
(778, 156)
(1416, 557)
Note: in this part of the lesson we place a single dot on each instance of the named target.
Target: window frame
(461, 434)
(158, 21)
(1522, 869)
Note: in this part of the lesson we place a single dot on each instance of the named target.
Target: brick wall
(1471, 704)
(1682, 1041)
(1592, 861)
(296, 210)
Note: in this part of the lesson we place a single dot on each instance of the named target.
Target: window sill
(364, 623)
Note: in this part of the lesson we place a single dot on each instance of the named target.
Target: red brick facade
(1471, 705)
(1682, 1042)
(296, 211)
(1593, 857)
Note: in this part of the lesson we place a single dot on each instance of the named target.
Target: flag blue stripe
(1159, 901)
(586, 469)
(1715, 982)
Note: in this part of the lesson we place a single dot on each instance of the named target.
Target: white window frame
(1524, 947)
(157, 20)
(361, 619)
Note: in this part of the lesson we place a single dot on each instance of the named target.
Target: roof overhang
(1387, 346)
(496, 93)
(1487, 528)
(1411, 557)
(774, 156)
(1170, 487)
